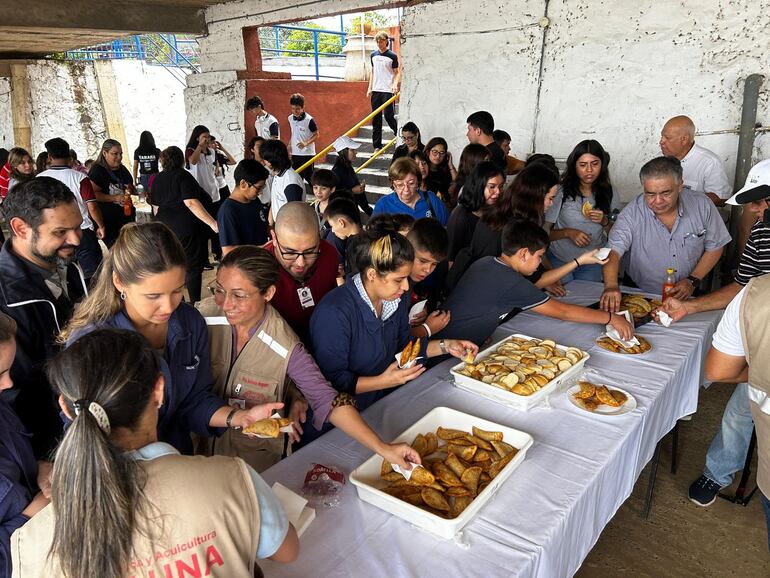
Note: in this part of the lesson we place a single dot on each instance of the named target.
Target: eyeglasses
(666, 196)
(438, 153)
(409, 138)
(404, 185)
(309, 255)
(220, 294)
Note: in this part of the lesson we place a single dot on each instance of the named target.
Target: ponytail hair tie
(96, 410)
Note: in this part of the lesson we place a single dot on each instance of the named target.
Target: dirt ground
(681, 539)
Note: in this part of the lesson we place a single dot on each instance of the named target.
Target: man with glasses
(308, 265)
(727, 453)
(665, 227)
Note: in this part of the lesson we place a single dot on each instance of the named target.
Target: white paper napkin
(417, 308)
(406, 365)
(664, 318)
(404, 472)
(613, 334)
(295, 506)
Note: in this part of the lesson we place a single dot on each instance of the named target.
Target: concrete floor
(681, 539)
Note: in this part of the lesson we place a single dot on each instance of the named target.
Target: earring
(123, 295)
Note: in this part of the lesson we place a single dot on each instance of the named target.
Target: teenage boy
(241, 218)
(384, 82)
(324, 184)
(265, 124)
(431, 246)
(304, 133)
(481, 128)
(494, 286)
(344, 220)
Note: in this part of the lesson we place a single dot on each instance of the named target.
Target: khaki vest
(257, 376)
(755, 330)
(204, 517)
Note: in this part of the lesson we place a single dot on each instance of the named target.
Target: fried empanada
(386, 467)
(455, 464)
(587, 390)
(449, 434)
(392, 477)
(462, 451)
(432, 442)
(498, 466)
(420, 445)
(459, 504)
(415, 499)
(503, 449)
(445, 475)
(477, 441)
(487, 435)
(586, 209)
(264, 427)
(619, 396)
(470, 479)
(434, 499)
(604, 396)
(422, 476)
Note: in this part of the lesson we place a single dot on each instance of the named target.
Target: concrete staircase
(376, 174)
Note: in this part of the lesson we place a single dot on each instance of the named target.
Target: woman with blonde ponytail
(139, 287)
(124, 504)
(358, 328)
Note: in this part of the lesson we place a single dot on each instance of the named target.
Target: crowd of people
(126, 389)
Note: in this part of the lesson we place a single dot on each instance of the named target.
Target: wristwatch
(442, 346)
(695, 281)
(229, 420)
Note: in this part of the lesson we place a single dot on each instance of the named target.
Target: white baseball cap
(757, 185)
(345, 142)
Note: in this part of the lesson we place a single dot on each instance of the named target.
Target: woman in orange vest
(124, 504)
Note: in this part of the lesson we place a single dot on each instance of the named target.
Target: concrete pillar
(20, 99)
(108, 96)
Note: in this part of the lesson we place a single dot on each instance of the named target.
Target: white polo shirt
(267, 126)
(704, 172)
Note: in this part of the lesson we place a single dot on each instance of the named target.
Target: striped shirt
(755, 260)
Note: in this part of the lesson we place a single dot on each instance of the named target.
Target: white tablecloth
(548, 515)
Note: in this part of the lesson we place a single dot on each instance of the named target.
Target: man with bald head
(308, 265)
(703, 171)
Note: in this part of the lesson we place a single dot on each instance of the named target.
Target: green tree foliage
(303, 40)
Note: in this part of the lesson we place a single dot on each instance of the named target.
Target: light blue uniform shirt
(273, 524)
(652, 248)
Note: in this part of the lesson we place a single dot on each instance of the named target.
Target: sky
(333, 22)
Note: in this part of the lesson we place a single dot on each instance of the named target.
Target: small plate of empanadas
(409, 355)
(601, 399)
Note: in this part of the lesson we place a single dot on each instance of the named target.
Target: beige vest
(204, 517)
(755, 330)
(257, 376)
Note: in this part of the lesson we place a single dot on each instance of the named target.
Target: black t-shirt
(498, 156)
(485, 295)
(111, 182)
(460, 229)
(403, 151)
(438, 182)
(169, 191)
(346, 176)
(148, 161)
(242, 223)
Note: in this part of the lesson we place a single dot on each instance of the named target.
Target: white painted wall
(613, 71)
(6, 117)
(65, 103)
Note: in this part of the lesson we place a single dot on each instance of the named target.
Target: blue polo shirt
(391, 204)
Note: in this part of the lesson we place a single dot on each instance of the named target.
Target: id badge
(305, 297)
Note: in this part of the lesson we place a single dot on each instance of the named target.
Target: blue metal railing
(167, 50)
(276, 39)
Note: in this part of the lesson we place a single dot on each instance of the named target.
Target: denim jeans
(727, 452)
(766, 506)
(584, 272)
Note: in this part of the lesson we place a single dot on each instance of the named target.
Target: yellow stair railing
(358, 125)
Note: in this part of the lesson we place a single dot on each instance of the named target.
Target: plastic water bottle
(140, 192)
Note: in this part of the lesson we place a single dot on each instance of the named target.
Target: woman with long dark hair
(359, 327)
(125, 503)
(146, 157)
(110, 181)
(471, 156)
(21, 165)
(580, 215)
(410, 134)
(481, 190)
(287, 185)
(179, 200)
(201, 161)
(419, 157)
(441, 169)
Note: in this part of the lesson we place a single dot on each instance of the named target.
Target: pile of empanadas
(592, 396)
(522, 365)
(269, 427)
(638, 306)
(611, 345)
(453, 473)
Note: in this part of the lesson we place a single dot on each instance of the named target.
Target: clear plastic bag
(323, 486)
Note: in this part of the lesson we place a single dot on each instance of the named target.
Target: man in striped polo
(727, 452)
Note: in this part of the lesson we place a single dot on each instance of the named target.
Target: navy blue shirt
(18, 480)
(242, 223)
(485, 295)
(188, 402)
